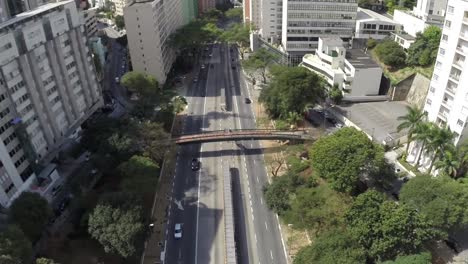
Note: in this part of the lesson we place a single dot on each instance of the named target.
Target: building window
(435, 77)
(429, 102)
(442, 51)
(459, 122)
(448, 23)
(438, 64)
(11, 186)
(450, 9)
(444, 37)
(432, 89)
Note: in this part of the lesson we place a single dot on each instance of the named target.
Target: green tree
(119, 22)
(239, 34)
(424, 131)
(450, 163)
(278, 191)
(141, 83)
(152, 140)
(423, 51)
(118, 228)
(139, 175)
(260, 61)
(335, 94)
(179, 103)
(421, 258)
(371, 43)
(235, 13)
(440, 139)
(15, 247)
(410, 122)
(318, 208)
(390, 53)
(386, 229)
(290, 90)
(441, 199)
(334, 247)
(31, 213)
(344, 156)
(45, 261)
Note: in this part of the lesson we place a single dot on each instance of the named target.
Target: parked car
(247, 100)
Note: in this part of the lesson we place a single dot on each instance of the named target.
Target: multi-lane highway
(217, 102)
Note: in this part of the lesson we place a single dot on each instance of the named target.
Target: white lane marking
(271, 254)
(199, 177)
(282, 240)
(266, 226)
(261, 200)
(254, 161)
(258, 180)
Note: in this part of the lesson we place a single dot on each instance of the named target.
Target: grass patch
(399, 75)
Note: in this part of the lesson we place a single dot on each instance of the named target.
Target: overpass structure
(242, 134)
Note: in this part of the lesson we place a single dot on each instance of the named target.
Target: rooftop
(366, 14)
(32, 13)
(405, 36)
(359, 59)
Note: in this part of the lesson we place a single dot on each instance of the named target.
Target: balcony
(465, 18)
(348, 78)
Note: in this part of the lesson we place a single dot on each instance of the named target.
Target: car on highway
(211, 55)
(117, 79)
(195, 164)
(178, 231)
(247, 100)
(203, 66)
(195, 80)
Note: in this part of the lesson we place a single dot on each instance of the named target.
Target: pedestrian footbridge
(241, 134)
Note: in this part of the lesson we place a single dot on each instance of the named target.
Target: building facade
(48, 87)
(149, 25)
(119, 6)
(205, 5)
(351, 70)
(370, 24)
(90, 21)
(447, 100)
(304, 22)
(423, 15)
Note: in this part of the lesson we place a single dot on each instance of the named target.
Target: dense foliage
(423, 51)
(139, 175)
(390, 53)
(341, 158)
(440, 199)
(117, 224)
(291, 90)
(259, 62)
(422, 258)
(31, 212)
(386, 229)
(15, 248)
(334, 247)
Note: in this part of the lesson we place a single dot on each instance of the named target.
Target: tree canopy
(139, 175)
(278, 191)
(441, 199)
(422, 258)
(117, 227)
(235, 13)
(119, 22)
(291, 90)
(386, 229)
(238, 33)
(31, 213)
(15, 247)
(390, 53)
(344, 156)
(45, 261)
(334, 247)
(259, 61)
(423, 52)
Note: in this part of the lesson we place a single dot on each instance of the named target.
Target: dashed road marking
(266, 226)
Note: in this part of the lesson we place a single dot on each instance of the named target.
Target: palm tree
(422, 133)
(440, 139)
(449, 163)
(410, 121)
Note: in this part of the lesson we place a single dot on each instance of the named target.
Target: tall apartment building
(149, 25)
(48, 88)
(90, 21)
(10, 8)
(119, 6)
(270, 20)
(304, 22)
(447, 99)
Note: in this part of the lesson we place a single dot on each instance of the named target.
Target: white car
(178, 231)
(117, 79)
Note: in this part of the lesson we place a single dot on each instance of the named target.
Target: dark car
(247, 100)
(331, 120)
(195, 164)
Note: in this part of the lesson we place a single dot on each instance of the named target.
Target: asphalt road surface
(217, 102)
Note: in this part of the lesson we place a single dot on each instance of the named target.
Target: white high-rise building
(119, 6)
(447, 100)
(304, 22)
(48, 87)
(149, 25)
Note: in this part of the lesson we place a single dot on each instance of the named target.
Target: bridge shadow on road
(247, 151)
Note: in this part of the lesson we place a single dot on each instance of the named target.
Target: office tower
(48, 88)
(149, 25)
(303, 22)
(447, 100)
